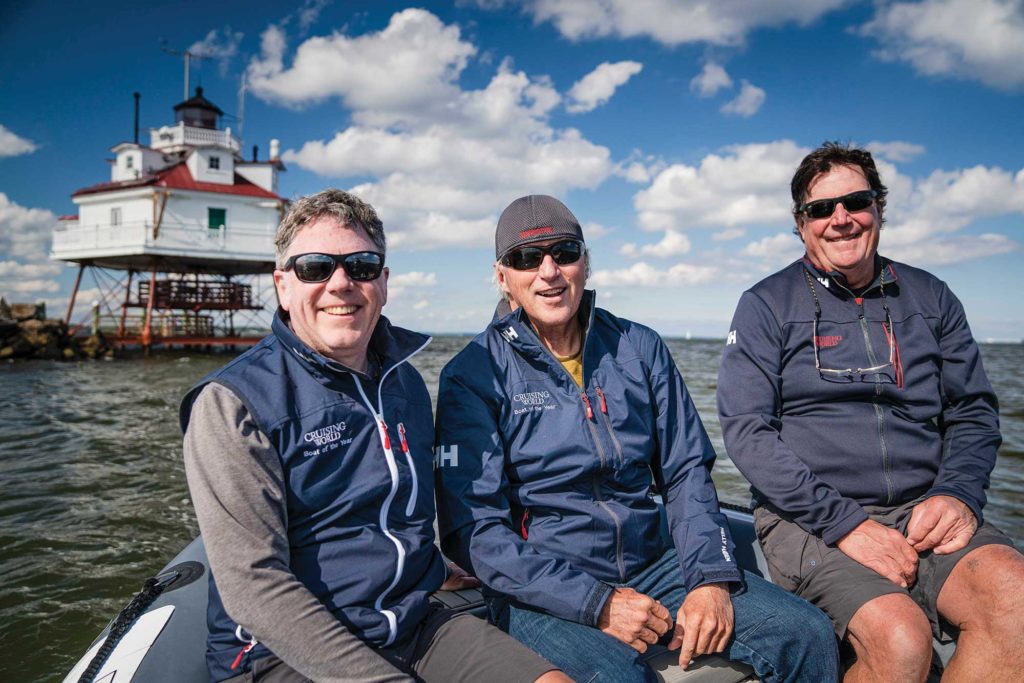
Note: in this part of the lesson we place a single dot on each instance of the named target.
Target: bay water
(94, 500)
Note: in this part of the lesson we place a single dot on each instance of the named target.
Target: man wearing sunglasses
(309, 460)
(552, 427)
(853, 398)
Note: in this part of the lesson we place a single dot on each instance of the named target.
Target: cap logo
(533, 232)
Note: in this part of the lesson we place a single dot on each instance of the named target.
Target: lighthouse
(177, 235)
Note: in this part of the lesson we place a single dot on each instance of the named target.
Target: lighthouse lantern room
(177, 237)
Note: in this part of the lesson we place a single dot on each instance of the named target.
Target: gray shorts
(447, 646)
(839, 585)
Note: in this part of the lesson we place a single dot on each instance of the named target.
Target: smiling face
(334, 318)
(844, 241)
(550, 294)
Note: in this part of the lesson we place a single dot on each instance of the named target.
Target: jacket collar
(389, 344)
(885, 275)
(515, 326)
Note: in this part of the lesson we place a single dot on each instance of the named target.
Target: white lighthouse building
(188, 219)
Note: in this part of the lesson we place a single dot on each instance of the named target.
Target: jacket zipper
(591, 425)
(389, 457)
(608, 426)
(599, 499)
(879, 413)
(412, 468)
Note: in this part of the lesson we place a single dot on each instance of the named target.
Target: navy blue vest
(356, 457)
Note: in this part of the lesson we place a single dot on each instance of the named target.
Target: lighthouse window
(218, 218)
(129, 161)
(214, 163)
(115, 216)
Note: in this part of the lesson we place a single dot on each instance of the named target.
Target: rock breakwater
(26, 332)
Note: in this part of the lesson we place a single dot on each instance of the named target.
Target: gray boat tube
(167, 642)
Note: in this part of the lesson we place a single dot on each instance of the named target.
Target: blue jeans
(782, 637)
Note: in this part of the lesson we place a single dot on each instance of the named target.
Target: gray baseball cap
(534, 218)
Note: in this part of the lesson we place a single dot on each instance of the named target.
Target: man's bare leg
(984, 597)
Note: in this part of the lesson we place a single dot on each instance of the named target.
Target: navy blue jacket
(357, 464)
(818, 448)
(544, 489)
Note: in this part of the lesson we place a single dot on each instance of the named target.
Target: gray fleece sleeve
(237, 487)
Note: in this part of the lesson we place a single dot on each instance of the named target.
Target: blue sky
(671, 128)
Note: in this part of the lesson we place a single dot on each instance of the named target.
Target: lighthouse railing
(241, 239)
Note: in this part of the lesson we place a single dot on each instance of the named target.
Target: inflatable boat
(160, 636)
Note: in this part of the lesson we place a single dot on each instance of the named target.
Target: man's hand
(458, 579)
(883, 550)
(634, 618)
(704, 624)
(942, 524)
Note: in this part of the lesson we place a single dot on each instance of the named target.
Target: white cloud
(415, 280)
(896, 150)
(923, 218)
(644, 275)
(598, 86)
(24, 242)
(747, 102)
(728, 234)
(710, 80)
(404, 71)
(948, 250)
(774, 251)
(12, 145)
(674, 22)
(220, 46)
(310, 12)
(439, 161)
(639, 168)
(742, 186)
(24, 232)
(593, 231)
(976, 39)
(672, 244)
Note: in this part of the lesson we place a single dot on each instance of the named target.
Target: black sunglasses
(823, 208)
(562, 252)
(361, 266)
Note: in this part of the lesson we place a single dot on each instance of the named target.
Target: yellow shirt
(574, 366)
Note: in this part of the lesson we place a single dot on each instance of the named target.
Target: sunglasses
(562, 253)
(823, 208)
(361, 266)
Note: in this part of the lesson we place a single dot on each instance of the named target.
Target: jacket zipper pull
(387, 439)
(245, 650)
(401, 437)
(604, 405)
(590, 411)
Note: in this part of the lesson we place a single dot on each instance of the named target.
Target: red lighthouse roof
(178, 177)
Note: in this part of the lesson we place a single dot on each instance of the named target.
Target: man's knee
(985, 594)
(891, 632)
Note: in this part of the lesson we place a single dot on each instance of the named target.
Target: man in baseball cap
(552, 426)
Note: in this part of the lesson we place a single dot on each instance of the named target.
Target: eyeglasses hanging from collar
(850, 374)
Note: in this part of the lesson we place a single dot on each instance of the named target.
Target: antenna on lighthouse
(188, 55)
(241, 108)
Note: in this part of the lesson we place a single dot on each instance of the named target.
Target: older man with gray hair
(309, 462)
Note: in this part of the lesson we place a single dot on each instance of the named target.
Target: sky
(671, 128)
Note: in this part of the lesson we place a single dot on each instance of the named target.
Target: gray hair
(347, 209)
(504, 295)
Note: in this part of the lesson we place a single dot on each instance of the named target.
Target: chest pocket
(857, 352)
(333, 462)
